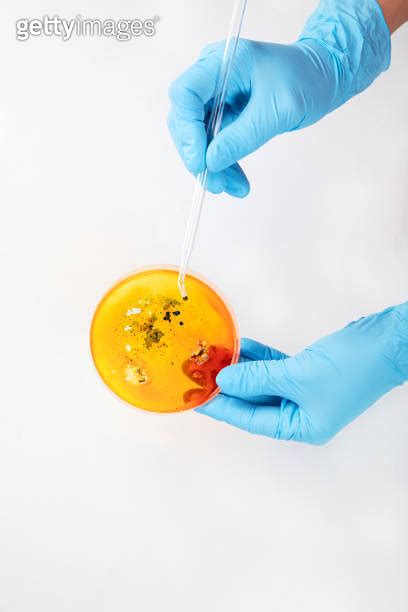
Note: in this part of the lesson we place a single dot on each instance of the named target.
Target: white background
(103, 507)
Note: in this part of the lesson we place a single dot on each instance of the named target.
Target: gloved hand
(312, 396)
(276, 88)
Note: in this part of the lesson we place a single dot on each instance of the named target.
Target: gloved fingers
(258, 378)
(256, 351)
(189, 95)
(216, 182)
(242, 414)
(281, 422)
(239, 86)
(237, 184)
(233, 181)
(191, 91)
(190, 139)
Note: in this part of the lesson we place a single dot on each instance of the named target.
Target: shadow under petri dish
(157, 351)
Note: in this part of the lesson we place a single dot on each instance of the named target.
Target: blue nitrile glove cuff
(356, 34)
(401, 339)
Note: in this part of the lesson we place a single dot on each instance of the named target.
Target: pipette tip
(182, 288)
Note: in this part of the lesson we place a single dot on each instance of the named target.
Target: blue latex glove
(312, 396)
(277, 88)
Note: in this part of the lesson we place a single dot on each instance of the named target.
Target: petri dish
(157, 351)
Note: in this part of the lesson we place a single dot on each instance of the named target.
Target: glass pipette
(214, 125)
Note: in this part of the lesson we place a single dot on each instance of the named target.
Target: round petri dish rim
(189, 272)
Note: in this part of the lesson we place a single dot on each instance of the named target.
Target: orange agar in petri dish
(157, 351)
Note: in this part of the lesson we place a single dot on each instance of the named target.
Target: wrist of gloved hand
(400, 322)
(356, 35)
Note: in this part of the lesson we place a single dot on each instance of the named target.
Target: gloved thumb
(257, 378)
(235, 141)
